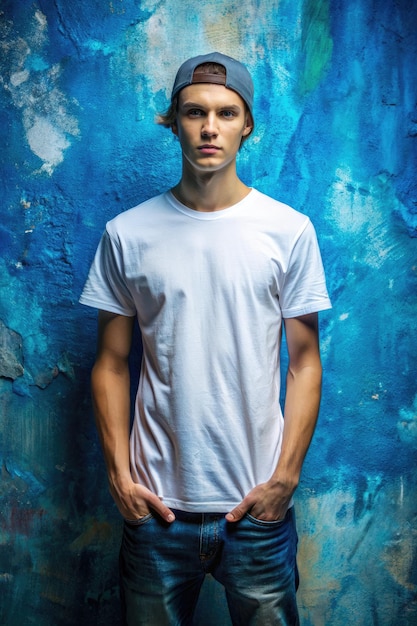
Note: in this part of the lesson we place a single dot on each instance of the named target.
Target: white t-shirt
(210, 291)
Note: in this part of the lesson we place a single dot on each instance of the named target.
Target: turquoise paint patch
(36, 63)
(98, 46)
(317, 44)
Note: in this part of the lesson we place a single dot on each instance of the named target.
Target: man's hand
(135, 501)
(111, 399)
(268, 502)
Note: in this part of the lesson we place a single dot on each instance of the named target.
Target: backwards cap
(237, 76)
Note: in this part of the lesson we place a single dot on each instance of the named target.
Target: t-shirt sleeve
(106, 286)
(304, 290)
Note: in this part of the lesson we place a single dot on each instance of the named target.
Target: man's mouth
(208, 148)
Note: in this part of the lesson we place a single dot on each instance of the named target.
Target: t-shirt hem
(204, 507)
(200, 507)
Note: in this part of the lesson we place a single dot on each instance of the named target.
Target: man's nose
(209, 126)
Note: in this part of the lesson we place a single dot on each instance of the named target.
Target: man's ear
(249, 125)
(174, 128)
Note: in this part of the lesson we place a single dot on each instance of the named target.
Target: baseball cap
(237, 76)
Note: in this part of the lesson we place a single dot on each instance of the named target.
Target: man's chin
(208, 163)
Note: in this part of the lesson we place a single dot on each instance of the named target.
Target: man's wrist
(119, 480)
(284, 480)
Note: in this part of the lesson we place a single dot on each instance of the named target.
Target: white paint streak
(401, 492)
(44, 107)
(47, 142)
(41, 20)
(359, 208)
(17, 78)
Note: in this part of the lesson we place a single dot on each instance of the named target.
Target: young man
(210, 269)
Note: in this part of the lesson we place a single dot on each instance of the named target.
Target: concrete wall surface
(335, 137)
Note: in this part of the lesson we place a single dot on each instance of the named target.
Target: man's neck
(209, 192)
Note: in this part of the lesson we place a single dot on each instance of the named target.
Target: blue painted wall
(336, 128)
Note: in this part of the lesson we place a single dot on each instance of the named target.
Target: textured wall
(335, 136)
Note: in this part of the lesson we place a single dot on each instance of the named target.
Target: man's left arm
(269, 501)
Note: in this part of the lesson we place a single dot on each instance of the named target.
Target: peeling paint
(47, 143)
(11, 355)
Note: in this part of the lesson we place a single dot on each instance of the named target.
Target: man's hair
(169, 118)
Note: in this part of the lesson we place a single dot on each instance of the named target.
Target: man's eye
(228, 114)
(195, 112)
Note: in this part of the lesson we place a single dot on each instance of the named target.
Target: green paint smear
(317, 44)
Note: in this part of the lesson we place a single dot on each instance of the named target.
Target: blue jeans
(162, 568)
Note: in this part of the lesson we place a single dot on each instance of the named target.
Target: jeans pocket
(140, 521)
(265, 523)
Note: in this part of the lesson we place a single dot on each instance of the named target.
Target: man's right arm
(110, 383)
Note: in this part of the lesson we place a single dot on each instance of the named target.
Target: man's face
(211, 123)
